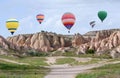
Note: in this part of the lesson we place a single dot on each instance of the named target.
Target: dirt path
(66, 71)
(52, 60)
(11, 61)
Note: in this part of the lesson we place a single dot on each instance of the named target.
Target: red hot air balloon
(68, 20)
(40, 18)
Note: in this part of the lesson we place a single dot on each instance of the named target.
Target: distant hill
(93, 33)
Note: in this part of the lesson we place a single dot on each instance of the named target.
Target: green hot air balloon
(102, 15)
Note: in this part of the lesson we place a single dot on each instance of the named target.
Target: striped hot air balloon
(12, 25)
(40, 18)
(68, 20)
(92, 23)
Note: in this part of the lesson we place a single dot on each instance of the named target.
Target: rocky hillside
(103, 41)
(7, 48)
(42, 41)
(94, 33)
(78, 40)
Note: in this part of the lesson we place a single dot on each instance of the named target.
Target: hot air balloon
(92, 23)
(68, 20)
(40, 18)
(12, 25)
(102, 15)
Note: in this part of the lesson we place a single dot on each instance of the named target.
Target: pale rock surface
(78, 39)
(102, 43)
(42, 41)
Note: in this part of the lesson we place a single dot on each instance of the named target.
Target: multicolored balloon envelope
(12, 25)
(68, 20)
(40, 18)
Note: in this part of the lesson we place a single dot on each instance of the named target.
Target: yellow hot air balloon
(12, 25)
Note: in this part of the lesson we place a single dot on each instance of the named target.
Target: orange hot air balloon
(68, 20)
(40, 18)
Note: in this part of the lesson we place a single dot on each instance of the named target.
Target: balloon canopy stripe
(11, 21)
(68, 16)
(11, 28)
(69, 23)
(68, 26)
(12, 31)
(39, 19)
(68, 20)
(12, 25)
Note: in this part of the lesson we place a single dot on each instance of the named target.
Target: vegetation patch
(107, 71)
(38, 61)
(10, 70)
(35, 53)
(65, 61)
(90, 51)
(70, 53)
(92, 61)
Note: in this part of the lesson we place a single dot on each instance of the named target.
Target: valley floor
(65, 71)
(61, 67)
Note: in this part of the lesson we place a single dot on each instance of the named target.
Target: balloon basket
(68, 31)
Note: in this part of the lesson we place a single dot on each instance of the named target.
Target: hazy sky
(25, 12)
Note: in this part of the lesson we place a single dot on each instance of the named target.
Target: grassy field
(73, 54)
(38, 61)
(92, 61)
(107, 71)
(65, 61)
(73, 62)
(10, 70)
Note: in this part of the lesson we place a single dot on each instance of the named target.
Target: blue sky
(25, 12)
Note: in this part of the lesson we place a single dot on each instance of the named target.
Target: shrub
(90, 51)
(35, 53)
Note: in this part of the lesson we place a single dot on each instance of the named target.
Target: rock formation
(102, 43)
(6, 46)
(43, 41)
(93, 34)
(78, 40)
(115, 53)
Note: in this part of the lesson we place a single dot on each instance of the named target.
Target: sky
(85, 11)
